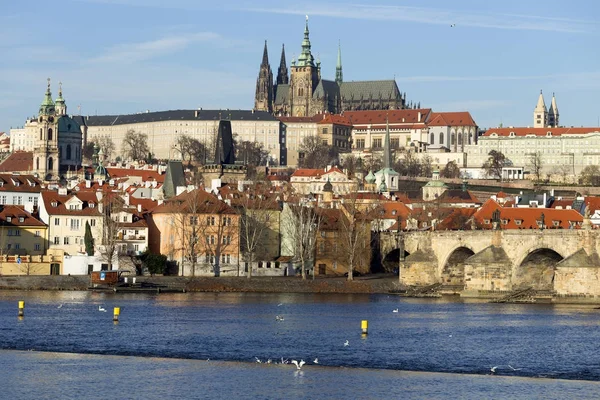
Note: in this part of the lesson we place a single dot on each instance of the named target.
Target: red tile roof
(461, 118)
(145, 174)
(55, 203)
(540, 131)
(19, 161)
(206, 203)
(593, 203)
(408, 116)
(527, 218)
(16, 212)
(314, 118)
(20, 183)
(335, 119)
(303, 172)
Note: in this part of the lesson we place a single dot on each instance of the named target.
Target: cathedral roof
(451, 119)
(281, 93)
(355, 90)
(326, 88)
(176, 115)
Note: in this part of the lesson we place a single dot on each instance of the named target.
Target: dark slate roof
(367, 89)
(329, 88)
(281, 95)
(185, 115)
(174, 177)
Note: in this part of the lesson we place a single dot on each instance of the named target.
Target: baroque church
(54, 142)
(304, 93)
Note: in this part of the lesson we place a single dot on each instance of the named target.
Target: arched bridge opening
(453, 272)
(537, 270)
(391, 261)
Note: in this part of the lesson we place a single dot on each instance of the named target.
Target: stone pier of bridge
(561, 262)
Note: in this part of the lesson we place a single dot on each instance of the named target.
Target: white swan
(100, 308)
(298, 364)
(346, 343)
(395, 310)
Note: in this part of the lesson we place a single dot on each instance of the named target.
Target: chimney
(419, 116)
(88, 183)
(139, 208)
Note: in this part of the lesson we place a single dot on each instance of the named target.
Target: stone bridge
(562, 262)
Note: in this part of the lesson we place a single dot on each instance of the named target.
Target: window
(360, 143)
(56, 240)
(56, 221)
(325, 143)
(193, 220)
(17, 232)
(377, 143)
(8, 219)
(74, 224)
(395, 143)
(17, 246)
(8, 246)
(21, 219)
(325, 131)
(3, 199)
(66, 240)
(441, 137)
(91, 205)
(37, 233)
(556, 223)
(10, 232)
(486, 221)
(37, 247)
(518, 221)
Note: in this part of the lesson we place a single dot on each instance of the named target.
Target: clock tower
(305, 77)
(45, 152)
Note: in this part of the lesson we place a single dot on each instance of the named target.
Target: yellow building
(24, 244)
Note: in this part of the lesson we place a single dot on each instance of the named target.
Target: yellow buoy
(116, 313)
(364, 324)
(21, 308)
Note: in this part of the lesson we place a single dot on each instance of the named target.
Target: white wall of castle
(162, 135)
(575, 151)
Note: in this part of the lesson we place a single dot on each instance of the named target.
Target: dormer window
(486, 221)
(91, 205)
(512, 134)
(393, 212)
(8, 219)
(518, 221)
(504, 221)
(21, 219)
(54, 203)
(556, 223)
(548, 133)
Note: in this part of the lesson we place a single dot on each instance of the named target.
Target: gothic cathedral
(306, 94)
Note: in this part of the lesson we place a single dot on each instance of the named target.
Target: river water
(204, 345)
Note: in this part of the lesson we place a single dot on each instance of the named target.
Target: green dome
(47, 106)
(370, 178)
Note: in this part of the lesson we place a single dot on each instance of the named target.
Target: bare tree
(187, 222)
(258, 212)
(563, 171)
(355, 233)
(536, 164)
(300, 225)
(106, 144)
(590, 175)
(112, 206)
(135, 145)
(29, 268)
(451, 170)
(221, 233)
(316, 154)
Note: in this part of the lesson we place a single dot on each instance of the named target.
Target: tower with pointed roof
(60, 105)
(305, 75)
(540, 113)
(339, 77)
(386, 178)
(263, 99)
(282, 72)
(553, 120)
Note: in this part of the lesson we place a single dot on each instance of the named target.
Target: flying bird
(452, 25)
(298, 364)
(258, 360)
(346, 343)
(316, 361)
(60, 305)
(514, 369)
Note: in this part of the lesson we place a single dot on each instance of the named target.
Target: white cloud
(134, 52)
(436, 17)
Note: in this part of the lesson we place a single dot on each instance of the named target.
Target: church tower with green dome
(45, 153)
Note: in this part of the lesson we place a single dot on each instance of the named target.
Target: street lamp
(542, 221)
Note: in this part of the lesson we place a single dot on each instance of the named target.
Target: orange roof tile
(145, 174)
(19, 161)
(461, 118)
(15, 213)
(527, 218)
(539, 131)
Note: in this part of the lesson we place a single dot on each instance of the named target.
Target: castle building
(306, 93)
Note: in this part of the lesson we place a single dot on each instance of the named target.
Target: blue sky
(126, 56)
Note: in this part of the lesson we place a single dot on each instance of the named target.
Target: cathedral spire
(553, 114)
(282, 73)
(306, 59)
(61, 107)
(540, 113)
(47, 106)
(339, 77)
(265, 58)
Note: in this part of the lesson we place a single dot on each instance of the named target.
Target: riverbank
(380, 283)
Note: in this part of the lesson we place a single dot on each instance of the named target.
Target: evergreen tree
(88, 239)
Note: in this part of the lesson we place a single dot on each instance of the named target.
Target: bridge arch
(453, 268)
(391, 260)
(536, 269)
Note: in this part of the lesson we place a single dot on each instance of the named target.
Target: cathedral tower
(263, 100)
(553, 120)
(540, 114)
(282, 72)
(304, 79)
